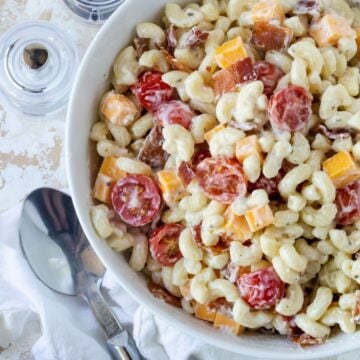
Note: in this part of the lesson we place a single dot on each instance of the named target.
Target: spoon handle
(120, 343)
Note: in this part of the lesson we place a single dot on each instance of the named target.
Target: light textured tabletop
(31, 149)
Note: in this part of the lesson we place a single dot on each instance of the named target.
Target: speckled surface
(31, 149)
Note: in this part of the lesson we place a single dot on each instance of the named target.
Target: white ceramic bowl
(90, 83)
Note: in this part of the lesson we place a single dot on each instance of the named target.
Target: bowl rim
(156, 307)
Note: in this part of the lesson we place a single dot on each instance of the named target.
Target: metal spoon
(61, 257)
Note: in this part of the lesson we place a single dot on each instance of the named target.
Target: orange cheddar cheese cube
(171, 185)
(341, 169)
(202, 312)
(236, 227)
(108, 175)
(224, 322)
(330, 29)
(118, 109)
(102, 188)
(230, 52)
(266, 10)
(208, 136)
(110, 168)
(246, 147)
(259, 217)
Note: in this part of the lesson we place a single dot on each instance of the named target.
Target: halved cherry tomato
(222, 179)
(174, 112)
(269, 74)
(151, 91)
(348, 203)
(290, 108)
(261, 289)
(136, 199)
(164, 244)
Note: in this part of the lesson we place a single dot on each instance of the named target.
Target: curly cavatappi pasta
(230, 172)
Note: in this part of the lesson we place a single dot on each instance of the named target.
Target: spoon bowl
(61, 257)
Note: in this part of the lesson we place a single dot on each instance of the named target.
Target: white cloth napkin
(39, 324)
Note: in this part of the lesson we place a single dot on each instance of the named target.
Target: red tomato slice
(290, 108)
(348, 204)
(269, 74)
(136, 199)
(164, 244)
(261, 289)
(174, 112)
(151, 91)
(222, 179)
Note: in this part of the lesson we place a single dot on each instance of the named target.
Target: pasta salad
(230, 163)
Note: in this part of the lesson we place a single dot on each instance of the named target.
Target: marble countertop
(31, 149)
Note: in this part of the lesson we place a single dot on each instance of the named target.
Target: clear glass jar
(93, 11)
(38, 62)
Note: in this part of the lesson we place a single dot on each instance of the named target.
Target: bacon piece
(222, 246)
(186, 173)
(335, 134)
(196, 37)
(232, 271)
(220, 305)
(171, 40)
(173, 62)
(141, 45)
(226, 80)
(267, 36)
(152, 152)
(308, 7)
(269, 74)
(305, 340)
(160, 293)
(196, 233)
(356, 310)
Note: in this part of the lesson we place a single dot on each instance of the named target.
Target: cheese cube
(203, 313)
(230, 52)
(330, 29)
(236, 227)
(224, 322)
(246, 147)
(266, 10)
(171, 185)
(259, 217)
(102, 188)
(108, 175)
(208, 136)
(118, 109)
(341, 169)
(110, 168)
